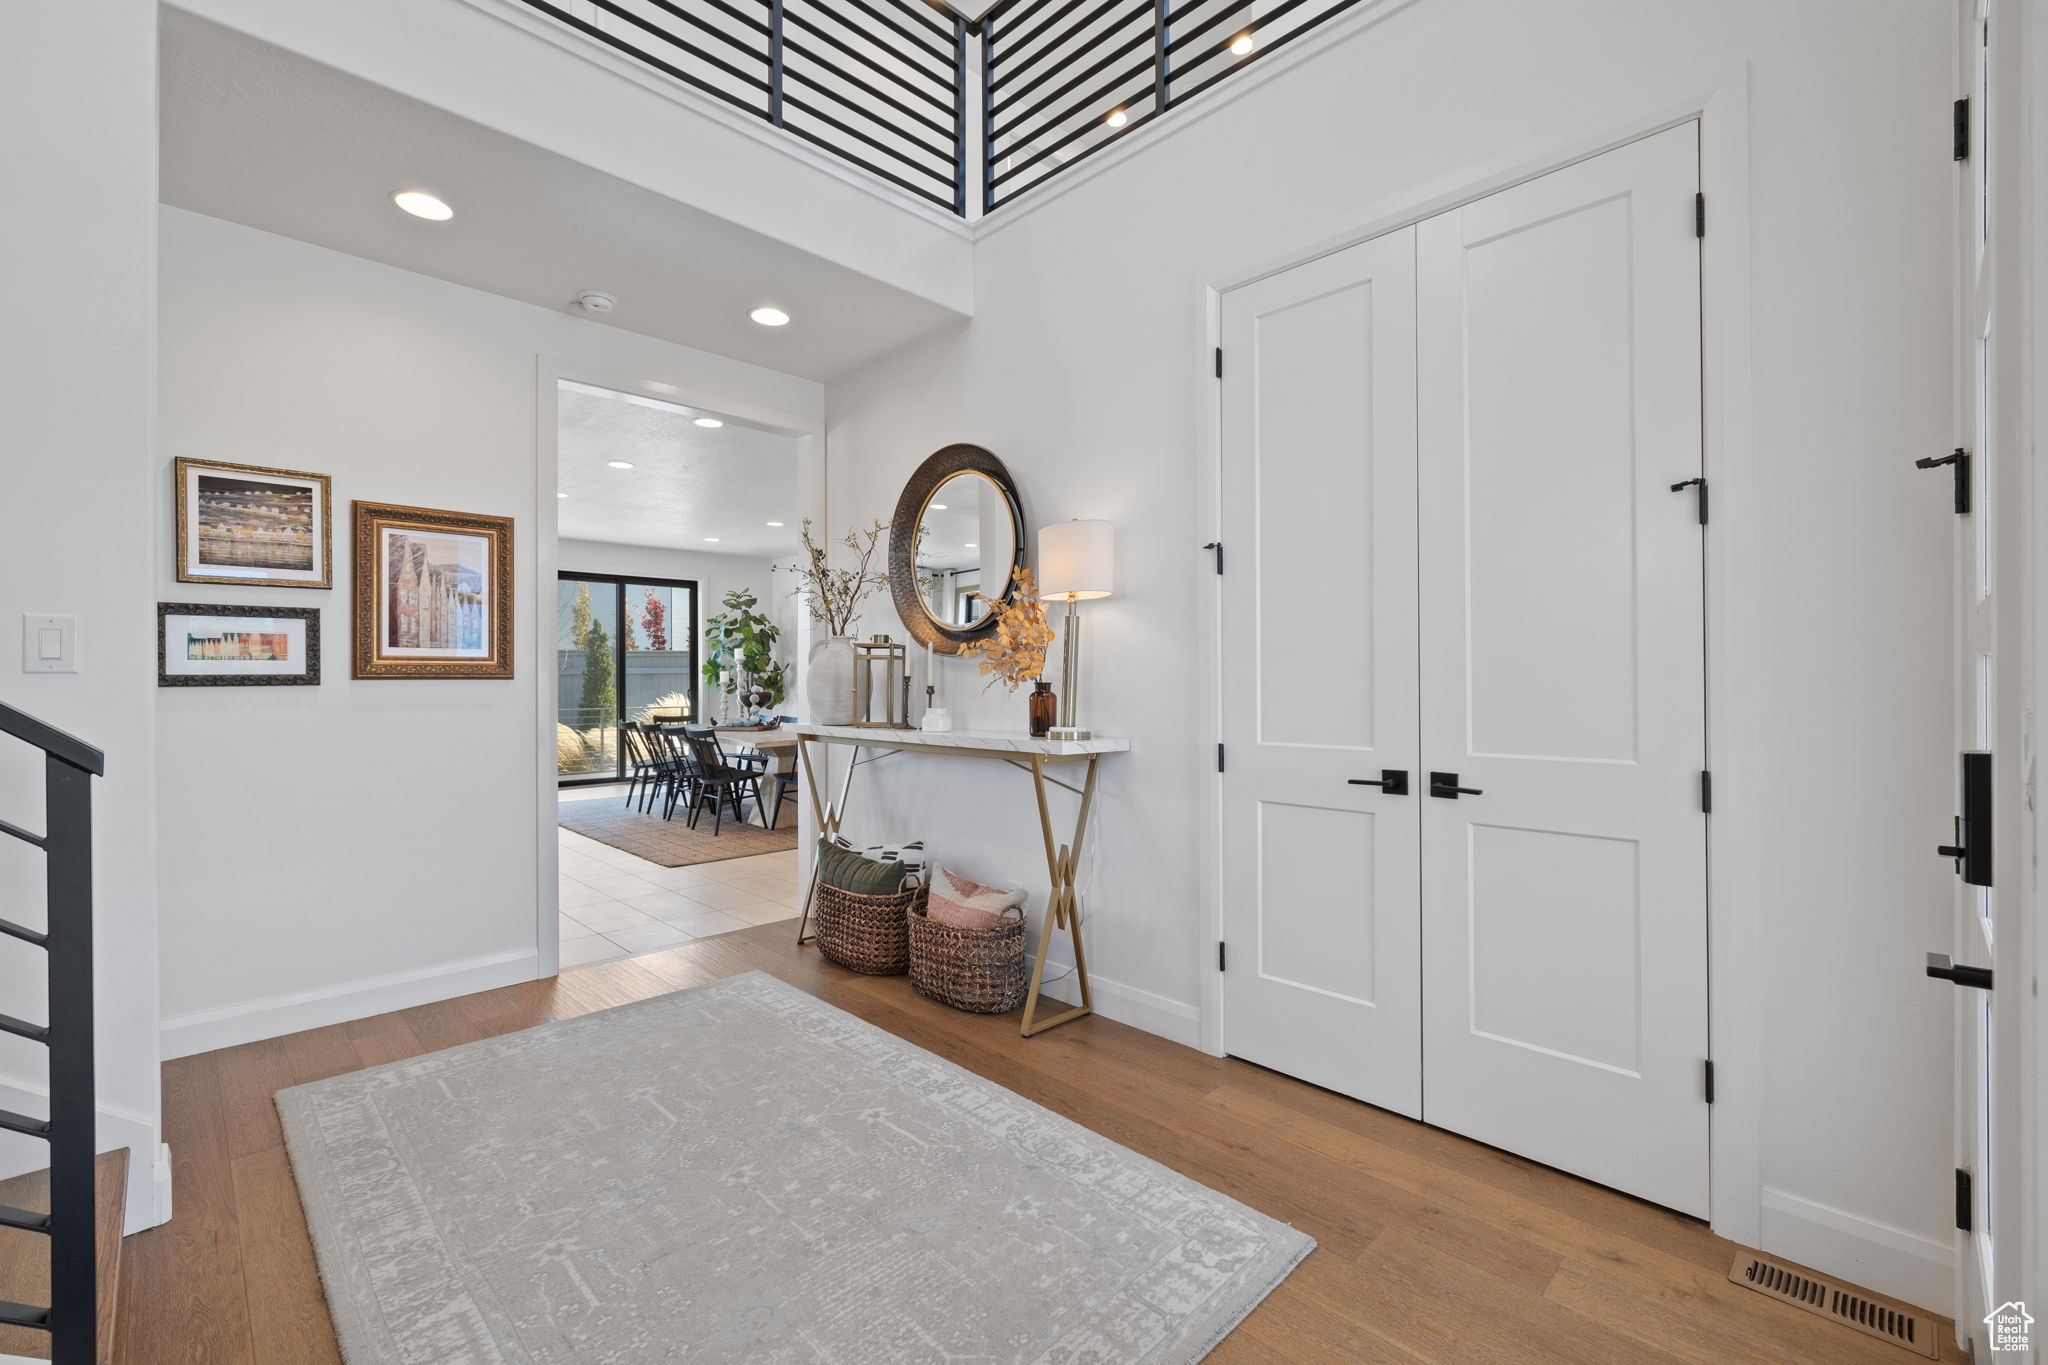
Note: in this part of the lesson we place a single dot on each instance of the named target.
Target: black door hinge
(1215, 547)
(1964, 1201)
(1219, 758)
(1219, 362)
(1958, 460)
(1222, 956)
(1700, 484)
(1699, 215)
(1962, 130)
(1708, 1082)
(1706, 791)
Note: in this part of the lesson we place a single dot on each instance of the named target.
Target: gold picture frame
(253, 525)
(433, 593)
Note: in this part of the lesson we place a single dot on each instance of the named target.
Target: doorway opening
(675, 660)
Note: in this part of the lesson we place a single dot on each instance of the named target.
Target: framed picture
(201, 645)
(242, 523)
(433, 593)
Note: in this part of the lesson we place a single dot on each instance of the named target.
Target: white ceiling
(687, 482)
(267, 138)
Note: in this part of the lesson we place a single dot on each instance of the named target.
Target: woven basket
(866, 933)
(982, 971)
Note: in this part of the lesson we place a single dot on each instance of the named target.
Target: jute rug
(672, 843)
(742, 1173)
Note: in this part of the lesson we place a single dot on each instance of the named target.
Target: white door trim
(1719, 99)
(540, 650)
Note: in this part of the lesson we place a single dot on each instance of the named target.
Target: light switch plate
(49, 644)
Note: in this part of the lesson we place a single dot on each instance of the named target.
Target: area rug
(741, 1173)
(672, 843)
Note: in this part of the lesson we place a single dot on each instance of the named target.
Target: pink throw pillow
(967, 904)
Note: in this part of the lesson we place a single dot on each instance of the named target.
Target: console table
(1033, 756)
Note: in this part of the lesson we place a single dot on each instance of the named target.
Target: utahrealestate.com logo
(2009, 1324)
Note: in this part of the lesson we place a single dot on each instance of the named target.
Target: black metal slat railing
(884, 84)
(69, 766)
(878, 83)
(1122, 84)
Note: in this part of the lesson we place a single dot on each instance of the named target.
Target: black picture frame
(309, 676)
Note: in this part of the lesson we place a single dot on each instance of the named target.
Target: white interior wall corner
(76, 378)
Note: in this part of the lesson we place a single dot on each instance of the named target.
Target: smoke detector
(596, 302)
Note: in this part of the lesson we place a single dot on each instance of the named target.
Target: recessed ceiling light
(620, 464)
(420, 204)
(711, 540)
(972, 546)
(1243, 43)
(561, 495)
(1117, 118)
(938, 507)
(775, 523)
(769, 317)
(709, 422)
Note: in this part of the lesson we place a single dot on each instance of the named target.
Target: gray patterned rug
(740, 1172)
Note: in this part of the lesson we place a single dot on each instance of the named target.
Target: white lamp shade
(1077, 560)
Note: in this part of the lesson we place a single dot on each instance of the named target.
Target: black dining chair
(674, 768)
(643, 760)
(714, 778)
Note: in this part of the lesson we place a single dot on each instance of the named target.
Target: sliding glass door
(625, 649)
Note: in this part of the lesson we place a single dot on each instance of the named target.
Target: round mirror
(957, 535)
(966, 544)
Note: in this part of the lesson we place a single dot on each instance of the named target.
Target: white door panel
(1321, 904)
(1564, 947)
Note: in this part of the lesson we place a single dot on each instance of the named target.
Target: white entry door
(1321, 905)
(1564, 889)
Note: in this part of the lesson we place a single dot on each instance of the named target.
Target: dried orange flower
(1015, 653)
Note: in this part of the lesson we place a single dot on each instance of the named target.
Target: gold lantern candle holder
(881, 684)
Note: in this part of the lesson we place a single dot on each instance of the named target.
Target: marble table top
(1003, 743)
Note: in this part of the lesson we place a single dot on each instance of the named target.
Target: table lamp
(1076, 563)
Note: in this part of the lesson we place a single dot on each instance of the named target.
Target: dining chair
(717, 779)
(643, 763)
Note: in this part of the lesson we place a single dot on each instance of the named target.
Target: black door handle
(1446, 785)
(1942, 967)
(1392, 781)
(1972, 848)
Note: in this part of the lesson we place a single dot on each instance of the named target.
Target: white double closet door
(1453, 548)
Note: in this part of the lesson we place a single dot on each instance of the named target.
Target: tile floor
(617, 905)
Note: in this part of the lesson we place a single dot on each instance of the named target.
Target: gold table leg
(1062, 910)
(829, 818)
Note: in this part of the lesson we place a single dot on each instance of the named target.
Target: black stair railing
(880, 83)
(1063, 79)
(71, 1317)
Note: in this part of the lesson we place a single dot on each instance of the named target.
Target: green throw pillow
(849, 871)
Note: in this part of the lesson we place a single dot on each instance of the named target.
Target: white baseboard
(1170, 1019)
(1864, 1252)
(148, 1200)
(205, 1030)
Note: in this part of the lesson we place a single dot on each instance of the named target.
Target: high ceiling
(688, 483)
(269, 139)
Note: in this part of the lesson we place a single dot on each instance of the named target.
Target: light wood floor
(1431, 1247)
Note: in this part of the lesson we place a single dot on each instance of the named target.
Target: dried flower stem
(1015, 654)
(834, 595)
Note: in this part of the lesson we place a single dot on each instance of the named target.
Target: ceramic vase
(828, 686)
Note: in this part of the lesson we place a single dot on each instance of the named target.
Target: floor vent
(1838, 1303)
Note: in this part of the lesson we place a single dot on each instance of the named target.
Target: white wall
(334, 851)
(1085, 369)
(76, 517)
(714, 575)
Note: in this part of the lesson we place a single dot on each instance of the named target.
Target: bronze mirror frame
(942, 465)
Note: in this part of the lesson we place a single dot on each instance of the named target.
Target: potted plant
(739, 653)
(834, 597)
